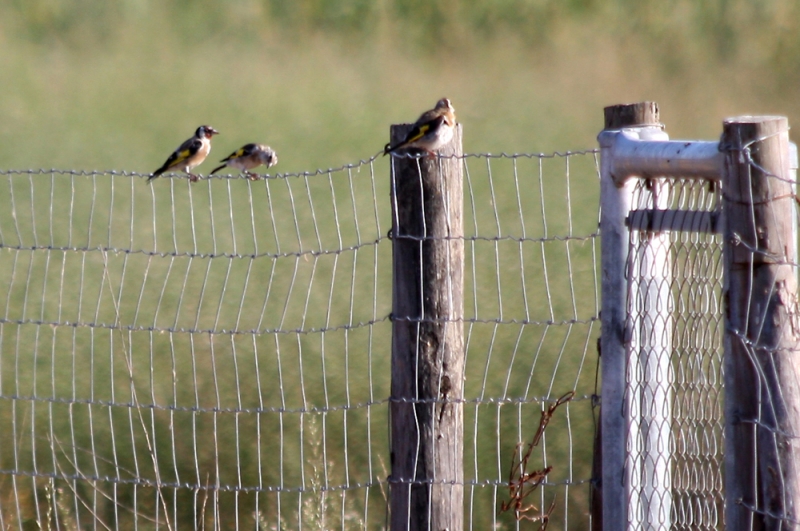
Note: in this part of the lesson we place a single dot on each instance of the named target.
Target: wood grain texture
(762, 351)
(428, 339)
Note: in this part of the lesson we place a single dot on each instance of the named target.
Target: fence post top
(634, 120)
(755, 119)
(631, 115)
(741, 131)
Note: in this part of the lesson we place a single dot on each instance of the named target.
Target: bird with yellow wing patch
(432, 130)
(189, 154)
(248, 157)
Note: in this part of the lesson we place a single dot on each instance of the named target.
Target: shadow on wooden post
(427, 481)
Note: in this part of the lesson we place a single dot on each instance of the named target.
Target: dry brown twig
(521, 484)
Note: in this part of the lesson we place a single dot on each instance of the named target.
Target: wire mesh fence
(675, 379)
(706, 310)
(217, 355)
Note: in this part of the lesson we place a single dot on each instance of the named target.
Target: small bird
(248, 157)
(189, 154)
(432, 130)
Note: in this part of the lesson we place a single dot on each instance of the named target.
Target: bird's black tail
(155, 174)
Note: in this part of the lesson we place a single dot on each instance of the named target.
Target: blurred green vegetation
(118, 85)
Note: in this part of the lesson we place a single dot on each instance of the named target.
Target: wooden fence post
(427, 480)
(762, 329)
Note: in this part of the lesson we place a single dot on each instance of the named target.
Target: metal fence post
(427, 481)
(635, 406)
(762, 327)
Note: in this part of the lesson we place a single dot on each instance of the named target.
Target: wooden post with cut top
(427, 479)
(762, 327)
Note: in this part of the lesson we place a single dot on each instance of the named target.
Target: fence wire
(762, 332)
(674, 395)
(217, 355)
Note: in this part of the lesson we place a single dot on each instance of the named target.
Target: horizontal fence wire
(218, 355)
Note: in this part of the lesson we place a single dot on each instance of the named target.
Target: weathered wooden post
(762, 330)
(427, 480)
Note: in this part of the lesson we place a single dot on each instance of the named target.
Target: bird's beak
(213, 131)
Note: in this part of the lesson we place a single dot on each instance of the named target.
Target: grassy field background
(121, 86)
(118, 87)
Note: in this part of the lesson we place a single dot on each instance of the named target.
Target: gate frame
(756, 166)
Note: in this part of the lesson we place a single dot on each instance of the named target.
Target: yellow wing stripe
(235, 155)
(423, 129)
(182, 155)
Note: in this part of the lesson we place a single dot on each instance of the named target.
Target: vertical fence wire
(216, 355)
(531, 307)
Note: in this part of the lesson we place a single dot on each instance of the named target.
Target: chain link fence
(699, 325)
(675, 380)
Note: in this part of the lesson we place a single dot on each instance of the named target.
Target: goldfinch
(189, 154)
(432, 130)
(248, 157)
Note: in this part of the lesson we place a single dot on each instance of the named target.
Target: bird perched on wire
(189, 154)
(248, 157)
(432, 130)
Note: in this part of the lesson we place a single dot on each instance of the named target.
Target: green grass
(120, 88)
